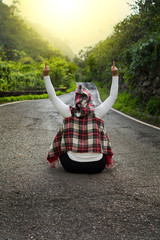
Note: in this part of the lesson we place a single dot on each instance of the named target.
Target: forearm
(61, 107)
(103, 108)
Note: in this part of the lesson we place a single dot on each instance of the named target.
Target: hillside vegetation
(18, 38)
(135, 46)
(23, 53)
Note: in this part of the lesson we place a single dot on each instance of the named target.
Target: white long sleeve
(104, 107)
(64, 109)
(61, 107)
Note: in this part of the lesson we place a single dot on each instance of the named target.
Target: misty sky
(80, 23)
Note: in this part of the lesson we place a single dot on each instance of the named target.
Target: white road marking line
(127, 116)
(136, 120)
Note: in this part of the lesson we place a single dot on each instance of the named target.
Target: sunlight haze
(80, 23)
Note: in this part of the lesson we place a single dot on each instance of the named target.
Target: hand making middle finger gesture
(114, 70)
(45, 70)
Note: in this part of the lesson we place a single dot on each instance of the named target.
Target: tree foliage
(134, 45)
(17, 76)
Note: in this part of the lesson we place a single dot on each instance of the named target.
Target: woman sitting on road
(81, 143)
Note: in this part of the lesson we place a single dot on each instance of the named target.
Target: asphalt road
(42, 203)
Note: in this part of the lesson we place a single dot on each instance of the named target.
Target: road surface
(41, 203)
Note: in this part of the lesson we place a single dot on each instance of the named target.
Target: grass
(129, 105)
(22, 98)
(26, 97)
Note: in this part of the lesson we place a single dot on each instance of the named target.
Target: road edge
(127, 116)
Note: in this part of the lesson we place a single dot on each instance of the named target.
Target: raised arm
(61, 107)
(103, 108)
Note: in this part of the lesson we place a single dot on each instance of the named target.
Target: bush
(153, 107)
(26, 60)
(18, 76)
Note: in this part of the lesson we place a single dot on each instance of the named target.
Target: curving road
(37, 202)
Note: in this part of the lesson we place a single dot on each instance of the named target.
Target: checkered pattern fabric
(80, 135)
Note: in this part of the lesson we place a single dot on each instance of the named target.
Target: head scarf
(83, 102)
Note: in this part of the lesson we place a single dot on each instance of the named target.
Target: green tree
(135, 46)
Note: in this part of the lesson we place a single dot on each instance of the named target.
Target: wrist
(45, 74)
